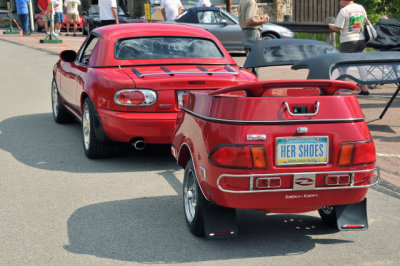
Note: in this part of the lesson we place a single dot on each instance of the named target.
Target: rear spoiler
(257, 89)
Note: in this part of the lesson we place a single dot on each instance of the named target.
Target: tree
(379, 8)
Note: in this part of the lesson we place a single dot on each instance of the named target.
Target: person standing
(204, 3)
(46, 7)
(350, 23)
(72, 14)
(251, 23)
(170, 9)
(58, 15)
(108, 12)
(23, 15)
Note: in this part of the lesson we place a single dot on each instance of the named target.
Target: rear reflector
(335, 180)
(268, 182)
(353, 226)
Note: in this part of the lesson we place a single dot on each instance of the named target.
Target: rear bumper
(290, 200)
(156, 128)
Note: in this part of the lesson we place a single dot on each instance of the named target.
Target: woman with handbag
(350, 23)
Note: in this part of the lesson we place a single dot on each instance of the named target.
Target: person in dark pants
(23, 15)
(251, 22)
(350, 23)
(108, 12)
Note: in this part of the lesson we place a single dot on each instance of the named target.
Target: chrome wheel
(190, 196)
(54, 98)
(86, 126)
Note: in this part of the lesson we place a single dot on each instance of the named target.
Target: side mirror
(68, 55)
(127, 14)
(223, 22)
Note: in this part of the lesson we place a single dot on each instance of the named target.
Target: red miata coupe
(126, 82)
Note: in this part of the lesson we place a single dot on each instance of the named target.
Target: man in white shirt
(72, 14)
(108, 12)
(170, 9)
(58, 15)
(350, 22)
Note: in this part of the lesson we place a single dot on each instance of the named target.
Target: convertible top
(190, 16)
(381, 67)
(363, 68)
(278, 52)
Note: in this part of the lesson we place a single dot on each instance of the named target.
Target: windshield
(166, 47)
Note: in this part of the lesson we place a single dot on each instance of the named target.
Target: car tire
(268, 36)
(193, 201)
(93, 147)
(60, 113)
(328, 215)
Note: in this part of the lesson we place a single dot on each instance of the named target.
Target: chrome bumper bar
(375, 180)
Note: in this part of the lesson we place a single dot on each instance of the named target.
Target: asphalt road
(59, 208)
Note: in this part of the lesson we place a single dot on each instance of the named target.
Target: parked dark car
(92, 20)
(225, 26)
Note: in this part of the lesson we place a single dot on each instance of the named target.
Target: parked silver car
(225, 26)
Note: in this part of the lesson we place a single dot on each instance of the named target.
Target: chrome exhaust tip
(139, 144)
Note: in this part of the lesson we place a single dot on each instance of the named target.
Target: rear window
(166, 47)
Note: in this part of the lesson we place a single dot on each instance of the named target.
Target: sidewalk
(385, 132)
(33, 41)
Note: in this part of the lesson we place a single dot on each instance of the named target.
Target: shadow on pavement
(153, 230)
(36, 140)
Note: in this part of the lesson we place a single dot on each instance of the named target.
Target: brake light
(135, 97)
(357, 153)
(239, 156)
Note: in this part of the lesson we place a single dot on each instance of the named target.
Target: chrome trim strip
(251, 177)
(190, 72)
(194, 164)
(212, 119)
(307, 114)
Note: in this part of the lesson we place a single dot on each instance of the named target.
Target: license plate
(302, 150)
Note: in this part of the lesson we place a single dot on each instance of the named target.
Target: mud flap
(219, 222)
(352, 216)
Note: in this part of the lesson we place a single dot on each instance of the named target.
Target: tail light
(239, 156)
(356, 153)
(135, 97)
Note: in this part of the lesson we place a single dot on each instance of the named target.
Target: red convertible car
(126, 82)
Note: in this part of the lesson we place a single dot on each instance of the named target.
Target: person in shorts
(46, 7)
(58, 16)
(349, 23)
(72, 14)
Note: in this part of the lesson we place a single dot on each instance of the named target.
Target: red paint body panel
(103, 75)
(208, 121)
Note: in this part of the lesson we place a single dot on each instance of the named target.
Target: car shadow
(153, 230)
(36, 140)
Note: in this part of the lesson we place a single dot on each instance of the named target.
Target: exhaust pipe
(138, 144)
